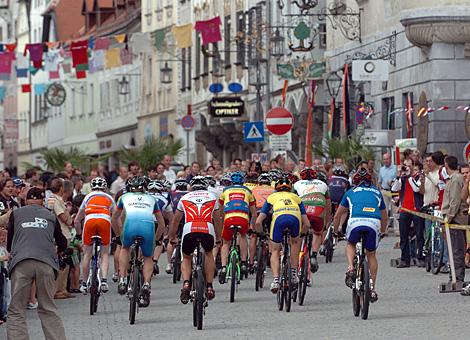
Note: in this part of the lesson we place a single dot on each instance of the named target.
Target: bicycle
(363, 283)
(286, 289)
(198, 290)
(261, 260)
(434, 244)
(135, 280)
(176, 262)
(94, 281)
(329, 244)
(233, 267)
(304, 267)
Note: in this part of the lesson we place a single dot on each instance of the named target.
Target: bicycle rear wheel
(437, 254)
(93, 290)
(303, 280)
(288, 281)
(176, 266)
(365, 291)
(135, 294)
(234, 274)
(259, 269)
(193, 289)
(200, 297)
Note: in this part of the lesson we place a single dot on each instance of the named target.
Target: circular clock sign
(55, 94)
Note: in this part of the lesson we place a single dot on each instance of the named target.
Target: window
(322, 36)
(206, 65)
(148, 83)
(388, 119)
(198, 55)
(164, 126)
(241, 36)
(91, 99)
(82, 100)
(188, 84)
(227, 32)
(183, 69)
(251, 15)
(102, 97)
(404, 115)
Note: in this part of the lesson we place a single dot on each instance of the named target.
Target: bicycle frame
(305, 250)
(234, 252)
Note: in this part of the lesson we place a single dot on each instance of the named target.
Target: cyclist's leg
(372, 242)
(146, 230)
(104, 231)
(253, 242)
(294, 225)
(127, 239)
(187, 248)
(169, 248)
(277, 229)
(88, 232)
(226, 238)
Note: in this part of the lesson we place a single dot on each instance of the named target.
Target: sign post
(188, 122)
(253, 132)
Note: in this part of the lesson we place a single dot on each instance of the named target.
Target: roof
(68, 19)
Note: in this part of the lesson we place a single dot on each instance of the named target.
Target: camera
(403, 168)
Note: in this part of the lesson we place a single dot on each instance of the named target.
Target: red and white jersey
(198, 208)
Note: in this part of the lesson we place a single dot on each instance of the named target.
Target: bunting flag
(35, 54)
(284, 92)
(54, 74)
(39, 89)
(346, 106)
(409, 116)
(26, 88)
(126, 56)
(10, 47)
(102, 43)
(80, 74)
(210, 30)
(159, 39)
(3, 92)
(183, 35)
(113, 58)
(121, 38)
(79, 51)
(6, 59)
(51, 61)
(141, 43)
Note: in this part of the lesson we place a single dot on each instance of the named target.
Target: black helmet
(181, 185)
(362, 176)
(198, 183)
(339, 170)
(136, 184)
(284, 184)
(322, 176)
(265, 178)
(210, 180)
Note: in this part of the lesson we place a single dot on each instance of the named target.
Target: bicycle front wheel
(234, 276)
(437, 254)
(365, 291)
(200, 298)
(135, 294)
(176, 266)
(303, 280)
(259, 269)
(288, 285)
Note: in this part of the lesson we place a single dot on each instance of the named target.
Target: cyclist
(288, 213)
(181, 187)
(251, 179)
(260, 194)
(367, 212)
(238, 203)
(200, 211)
(96, 208)
(139, 209)
(313, 192)
(158, 189)
(338, 184)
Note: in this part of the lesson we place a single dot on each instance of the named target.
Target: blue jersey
(337, 186)
(364, 202)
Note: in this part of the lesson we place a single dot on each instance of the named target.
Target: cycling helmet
(283, 184)
(252, 177)
(155, 186)
(210, 180)
(362, 176)
(98, 183)
(293, 178)
(166, 184)
(308, 174)
(226, 180)
(237, 178)
(136, 183)
(198, 183)
(181, 185)
(339, 170)
(275, 174)
(265, 178)
(322, 176)
(19, 182)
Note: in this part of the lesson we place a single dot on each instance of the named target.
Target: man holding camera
(408, 184)
(32, 231)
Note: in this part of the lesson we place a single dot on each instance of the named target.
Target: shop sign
(226, 107)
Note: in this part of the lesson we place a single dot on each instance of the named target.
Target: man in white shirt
(120, 182)
(169, 174)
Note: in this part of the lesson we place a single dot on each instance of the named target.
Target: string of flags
(423, 112)
(94, 54)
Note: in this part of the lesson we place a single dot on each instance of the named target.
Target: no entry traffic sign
(279, 121)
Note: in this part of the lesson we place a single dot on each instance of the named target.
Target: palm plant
(349, 149)
(151, 152)
(56, 158)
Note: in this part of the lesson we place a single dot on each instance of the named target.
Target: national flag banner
(284, 92)
(210, 30)
(360, 113)
(409, 116)
(331, 116)
(183, 35)
(346, 105)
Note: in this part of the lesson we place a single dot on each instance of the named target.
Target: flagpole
(308, 139)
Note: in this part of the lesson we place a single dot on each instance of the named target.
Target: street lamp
(166, 73)
(333, 83)
(124, 87)
(277, 42)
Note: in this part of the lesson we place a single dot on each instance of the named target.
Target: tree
(349, 149)
(151, 152)
(56, 158)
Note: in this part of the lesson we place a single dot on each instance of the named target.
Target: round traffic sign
(466, 152)
(187, 122)
(279, 121)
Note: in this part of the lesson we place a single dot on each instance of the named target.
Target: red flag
(308, 139)
(331, 117)
(346, 105)
(284, 92)
(409, 116)
(26, 88)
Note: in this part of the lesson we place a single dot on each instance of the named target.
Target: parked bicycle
(94, 279)
(233, 267)
(198, 290)
(434, 243)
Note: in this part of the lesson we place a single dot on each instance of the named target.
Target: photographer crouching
(32, 231)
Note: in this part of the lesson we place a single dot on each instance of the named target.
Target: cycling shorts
(240, 221)
(316, 223)
(314, 211)
(283, 222)
(95, 225)
(144, 229)
(370, 226)
(190, 242)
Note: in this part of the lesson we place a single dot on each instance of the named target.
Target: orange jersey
(261, 193)
(98, 203)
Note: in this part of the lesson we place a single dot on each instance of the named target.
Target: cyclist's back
(337, 185)
(314, 194)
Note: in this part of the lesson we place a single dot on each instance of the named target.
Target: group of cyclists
(203, 211)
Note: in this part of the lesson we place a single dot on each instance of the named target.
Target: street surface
(409, 307)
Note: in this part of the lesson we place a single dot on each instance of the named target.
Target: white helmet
(98, 183)
(155, 185)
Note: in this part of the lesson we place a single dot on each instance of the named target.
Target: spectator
(7, 201)
(290, 166)
(160, 170)
(465, 170)
(210, 171)
(265, 167)
(21, 188)
(301, 165)
(273, 164)
(152, 172)
(4, 281)
(238, 163)
(170, 175)
(218, 168)
(68, 169)
(455, 210)
(407, 155)
(317, 164)
(31, 175)
(408, 184)
(87, 187)
(120, 182)
(387, 174)
(34, 258)
(77, 181)
(61, 190)
(133, 168)
(187, 170)
(371, 169)
(195, 170)
(280, 162)
(245, 166)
